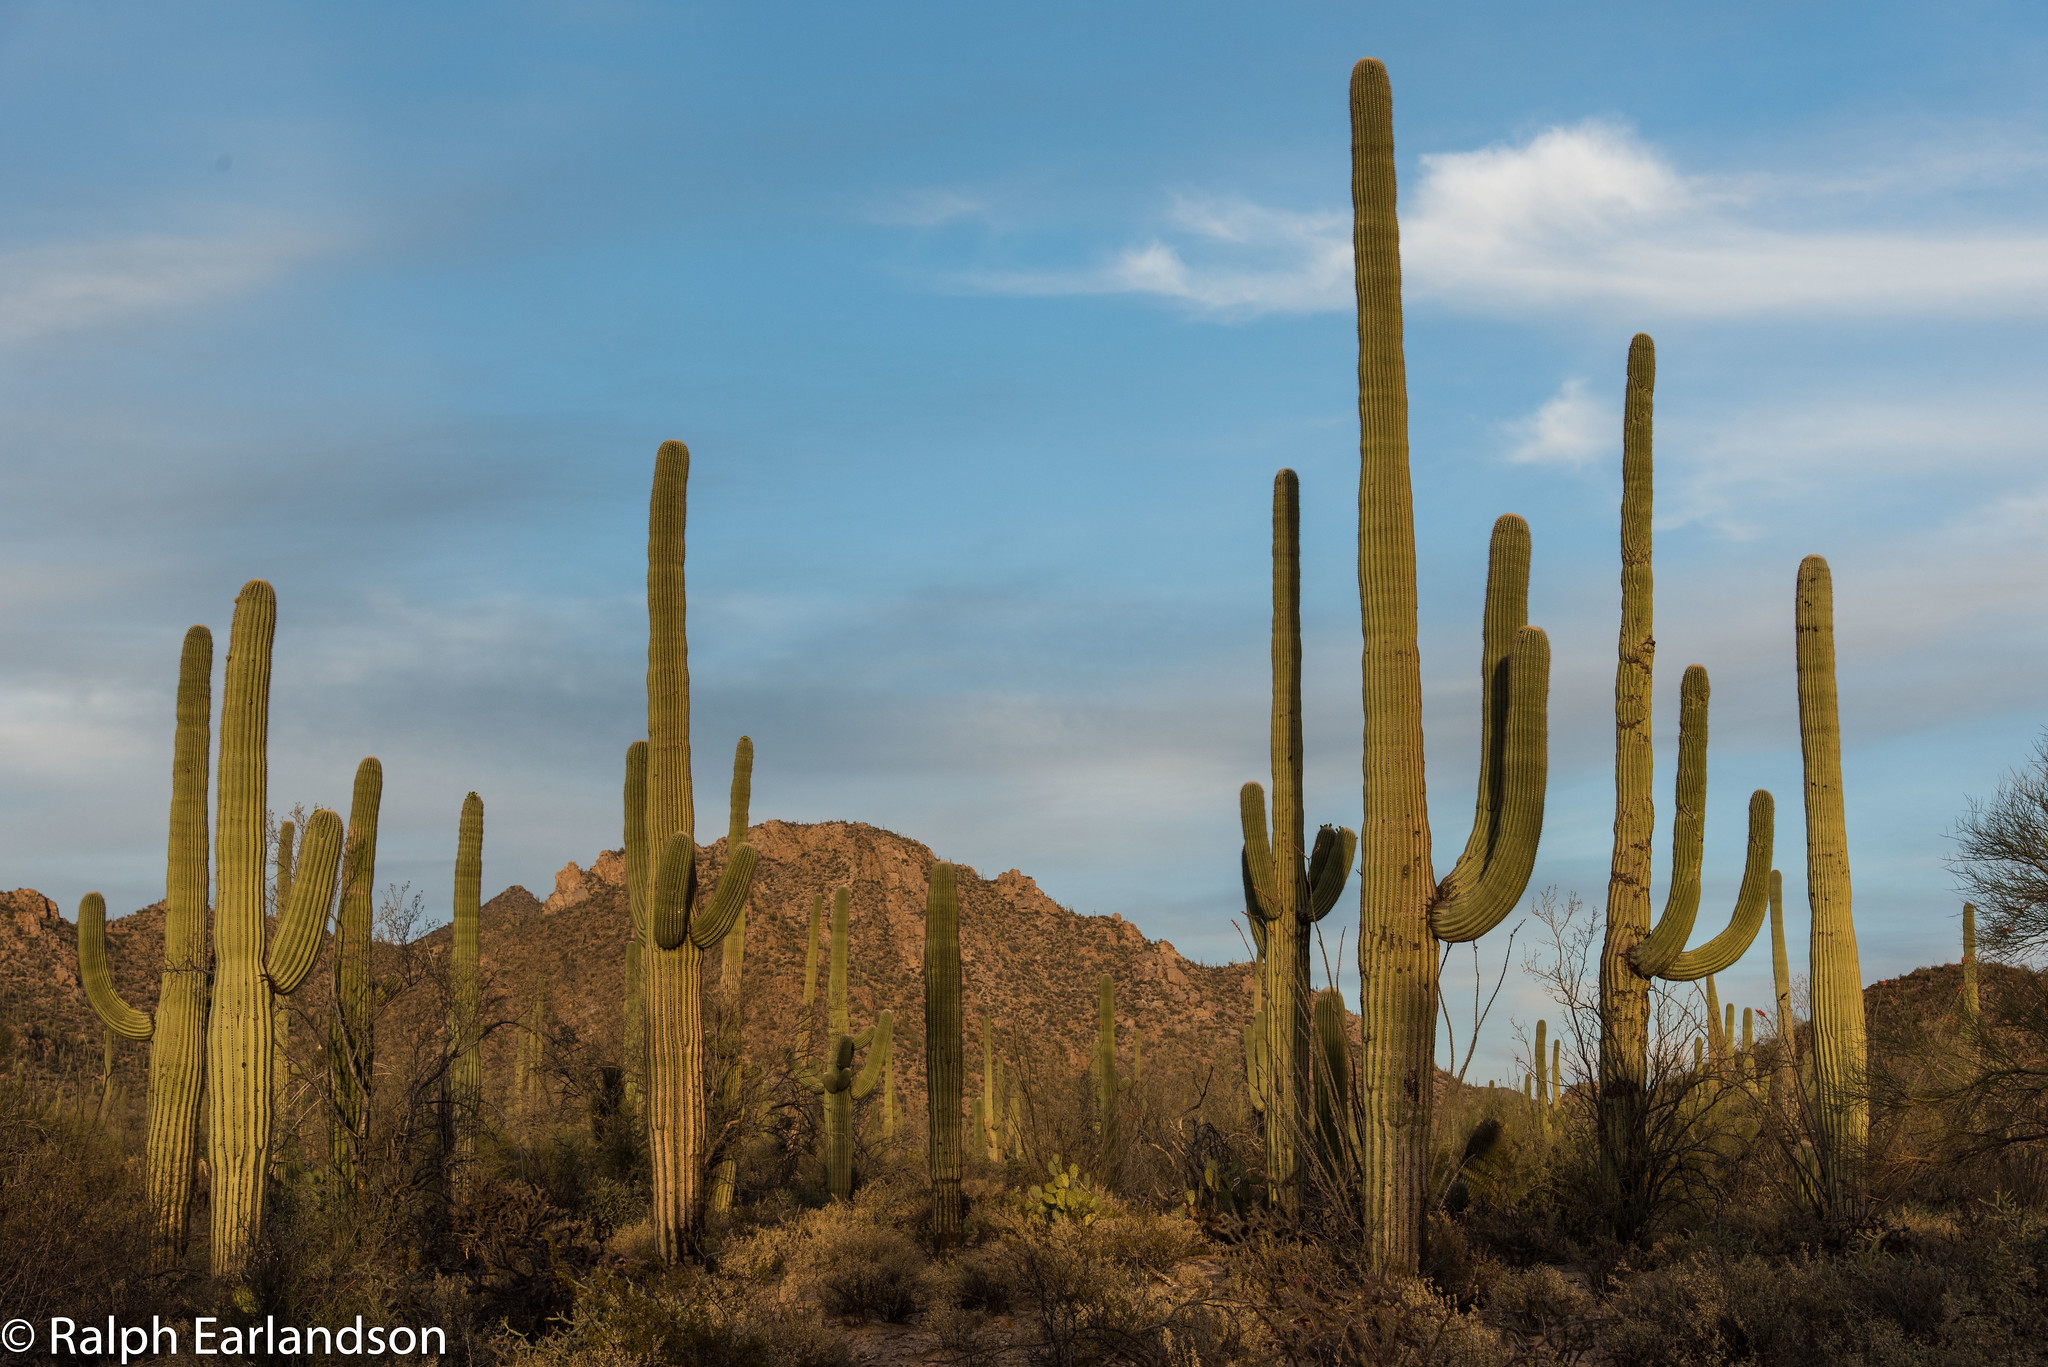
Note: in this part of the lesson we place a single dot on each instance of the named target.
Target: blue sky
(988, 333)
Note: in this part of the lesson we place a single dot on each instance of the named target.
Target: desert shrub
(73, 1217)
(1315, 1310)
(875, 1273)
(1546, 1309)
(980, 1280)
(697, 1322)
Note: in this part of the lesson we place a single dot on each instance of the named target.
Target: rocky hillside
(1030, 966)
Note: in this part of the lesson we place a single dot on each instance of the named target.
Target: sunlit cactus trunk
(465, 1026)
(239, 1055)
(725, 1177)
(177, 1055)
(1841, 1105)
(352, 1045)
(1404, 911)
(944, 1078)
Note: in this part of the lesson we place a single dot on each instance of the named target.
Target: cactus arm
(864, 1038)
(1261, 888)
(668, 915)
(120, 1017)
(1781, 972)
(733, 965)
(728, 898)
(1505, 613)
(881, 1034)
(1328, 868)
(1467, 910)
(1688, 831)
(302, 924)
(1720, 953)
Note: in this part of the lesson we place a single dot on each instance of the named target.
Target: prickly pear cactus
(1064, 1198)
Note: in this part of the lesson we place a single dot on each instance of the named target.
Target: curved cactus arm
(1751, 902)
(1329, 865)
(1505, 613)
(668, 914)
(1688, 832)
(120, 1017)
(712, 924)
(882, 1033)
(742, 791)
(863, 1039)
(303, 925)
(1261, 890)
(1468, 906)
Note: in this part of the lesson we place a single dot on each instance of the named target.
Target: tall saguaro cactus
(1334, 1131)
(352, 1045)
(639, 893)
(1633, 952)
(1840, 1105)
(177, 1032)
(1970, 1007)
(724, 1177)
(1404, 911)
(679, 930)
(837, 1082)
(247, 980)
(1108, 1087)
(1286, 888)
(465, 1025)
(943, 1073)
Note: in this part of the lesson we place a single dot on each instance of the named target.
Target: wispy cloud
(1570, 429)
(926, 208)
(48, 289)
(1586, 215)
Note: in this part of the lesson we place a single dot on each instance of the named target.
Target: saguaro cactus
(247, 980)
(1633, 952)
(1335, 1133)
(1404, 911)
(352, 1043)
(679, 929)
(837, 1081)
(991, 1112)
(1840, 1105)
(177, 1033)
(1970, 1008)
(724, 1177)
(1542, 1076)
(942, 1047)
(1108, 1087)
(639, 893)
(1286, 888)
(465, 1026)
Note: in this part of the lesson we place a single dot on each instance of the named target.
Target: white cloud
(927, 208)
(73, 286)
(1577, 217)
(1570, 429)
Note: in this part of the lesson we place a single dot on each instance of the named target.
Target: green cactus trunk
(1556, 1071)
(1404, 911)
(837, 1082)
(1840, 1105)
(1335, 1134)
(1542, 1076)
(177, 1052)
(943, 1046)
(1108, 1087)
(247, 981)
(1971, 1013)
(352, 1044)
(639, 894)
(678, 930)
(465, 1025)
(725, 1177)
(989, 1113)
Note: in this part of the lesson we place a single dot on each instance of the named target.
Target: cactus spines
(1838, 1026)
(352, 1044)
(678, 931)
(465, 1029)
(1287, 889)
(1404, 912)
(944, 1078)
(1108, 1087)
(1970, 1008)
(246, 981)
